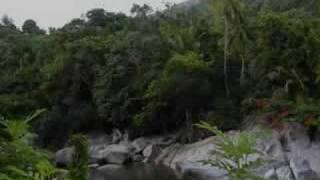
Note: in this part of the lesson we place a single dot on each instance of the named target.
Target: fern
(18, 159)
(233, 153)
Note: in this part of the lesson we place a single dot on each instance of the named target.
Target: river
(137, 172)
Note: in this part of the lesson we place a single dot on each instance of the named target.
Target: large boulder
(292, 146)
(287, 154)
(116, 154)
(151, 152)
(98, 141)
(284, 172)
(185, 159)
(302, 154)
(63, 157)
(302, 170)
(139, 144)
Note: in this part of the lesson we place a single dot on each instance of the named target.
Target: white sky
(55, 13)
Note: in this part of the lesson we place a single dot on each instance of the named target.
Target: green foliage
(153, 72)
(31, 27)
(285, 71)
(79, 167)
(233, 153)
(18, 159)
(182, 74)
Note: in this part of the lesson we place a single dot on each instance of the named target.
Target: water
(137, 172)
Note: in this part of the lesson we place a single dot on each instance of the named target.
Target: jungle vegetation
(155, 72)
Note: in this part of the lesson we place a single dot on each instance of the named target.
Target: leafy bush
(79, 167)
(18, 159)
(233, 153)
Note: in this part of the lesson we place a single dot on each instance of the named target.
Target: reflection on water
(136, 172)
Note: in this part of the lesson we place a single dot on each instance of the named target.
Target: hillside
(154, 74)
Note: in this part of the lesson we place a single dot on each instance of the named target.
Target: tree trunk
(243, 61)
(242, 76)
(226, 55)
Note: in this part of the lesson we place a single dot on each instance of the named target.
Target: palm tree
(229, 14)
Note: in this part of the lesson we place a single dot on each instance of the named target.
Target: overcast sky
(55, 13)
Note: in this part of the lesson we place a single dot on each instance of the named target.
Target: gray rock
(125, 138)
(93, 166)
(185, 159)
(166, 156)
(284, 173)
(139, 144)
(109, 168)
(151, 152)
(302, 155)
(271, 174)
(137, 158)
(98, 141)
(302, 170)
(116, 154)
(199, 171)
(116, 136)
(63, 157)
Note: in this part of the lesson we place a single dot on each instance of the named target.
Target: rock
(287, 154)
(63, 157)
(302, 171)
(93, 166)
(151, 152)
(270, 174)
(95, 154)
(195, 152)
(164, 141)
(139, 144)
(199, 171)
(293, 148)
(137, 158)
(302, 155)
(116, 154)
(125, 138)
(271, 147)
(267, 169)
(97, 141)
(185, 159)
(167, 154)
(284, 173)
(116, 136)
(109, 168)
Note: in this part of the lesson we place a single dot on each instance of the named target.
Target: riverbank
(286, 154)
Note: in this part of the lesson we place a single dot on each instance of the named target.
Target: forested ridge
(162, 71)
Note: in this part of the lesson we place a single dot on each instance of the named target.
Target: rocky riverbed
(287, 154)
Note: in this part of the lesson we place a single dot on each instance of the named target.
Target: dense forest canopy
(154, 72)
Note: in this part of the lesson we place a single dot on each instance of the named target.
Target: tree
(141, 11)
(8, 23)
(183, 86)
(229, 16)
(31, 27)
(97, 17)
